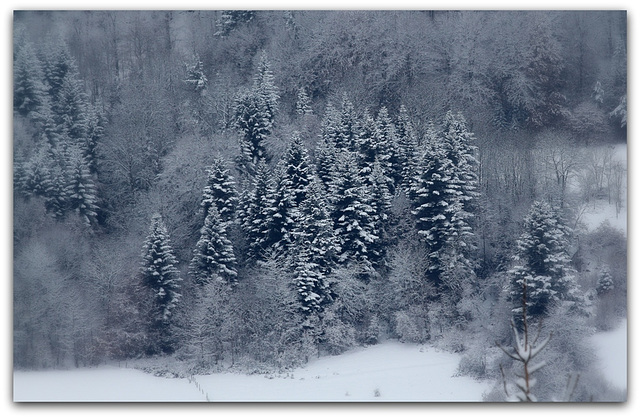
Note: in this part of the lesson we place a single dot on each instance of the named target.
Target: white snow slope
(387, 372)
(612, 351)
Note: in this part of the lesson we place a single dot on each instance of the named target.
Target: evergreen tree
(259, 211)
(28, 88)
(161, 278)
(80, 191)
(388, 153)
(265, 88)
(297, 170)
(367, 145)
(311, 285)
(254, 115)
(213, 257)
(353, 216)
(326, 155)
(255, 126)
(605, 281)
(407, 146)
(303, 103)
(458, 142)
(313, 225)
(348, 127)
(283, 213)
(542, 263)
(71, 109)
(330, 127)
(96, 121)
(58, 65)
(380, 201)
(220, 191)
(435, 205)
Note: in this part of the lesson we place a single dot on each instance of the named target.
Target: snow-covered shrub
(411, 325)
(473, 364)
(338, 336)
(372, 333)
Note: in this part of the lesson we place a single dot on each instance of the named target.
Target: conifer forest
(247, 191)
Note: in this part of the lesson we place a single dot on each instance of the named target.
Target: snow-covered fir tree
(96, 122)
(71, 107)
(380, 200)
(255, 126)
(368, 147)
(388, 152)
(303, 103)
(436, 204)
(283, 213)
(80, 191)
(605, 281)
(330, 126)
(326, 155)
(407, 146)
(298, 170)
(161, 278)
(542, 262)
(29, 92)
(57, 64)
(258, 212)
(213, 257)
(353, 216)
(312, 287)
(255, 112)
(220, 191)
(313, 225)
(460, 149)
(265, 87)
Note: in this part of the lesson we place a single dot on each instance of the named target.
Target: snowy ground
(612, 350)
(387, 372)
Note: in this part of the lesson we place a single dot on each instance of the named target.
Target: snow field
(612, 350)
(387, 372)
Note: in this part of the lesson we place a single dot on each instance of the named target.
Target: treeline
(256, 188)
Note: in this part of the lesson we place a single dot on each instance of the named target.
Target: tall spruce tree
(312, 287)
(259, 211)
(435, 205)
(303, 103)
(255, 113)
(213, 258)
(161, 278)
(313, 226)
(80, 191)
(298, 170)
(542, 263)
(353, 215)
(407, 146)
(29, 92)
(220, 191)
